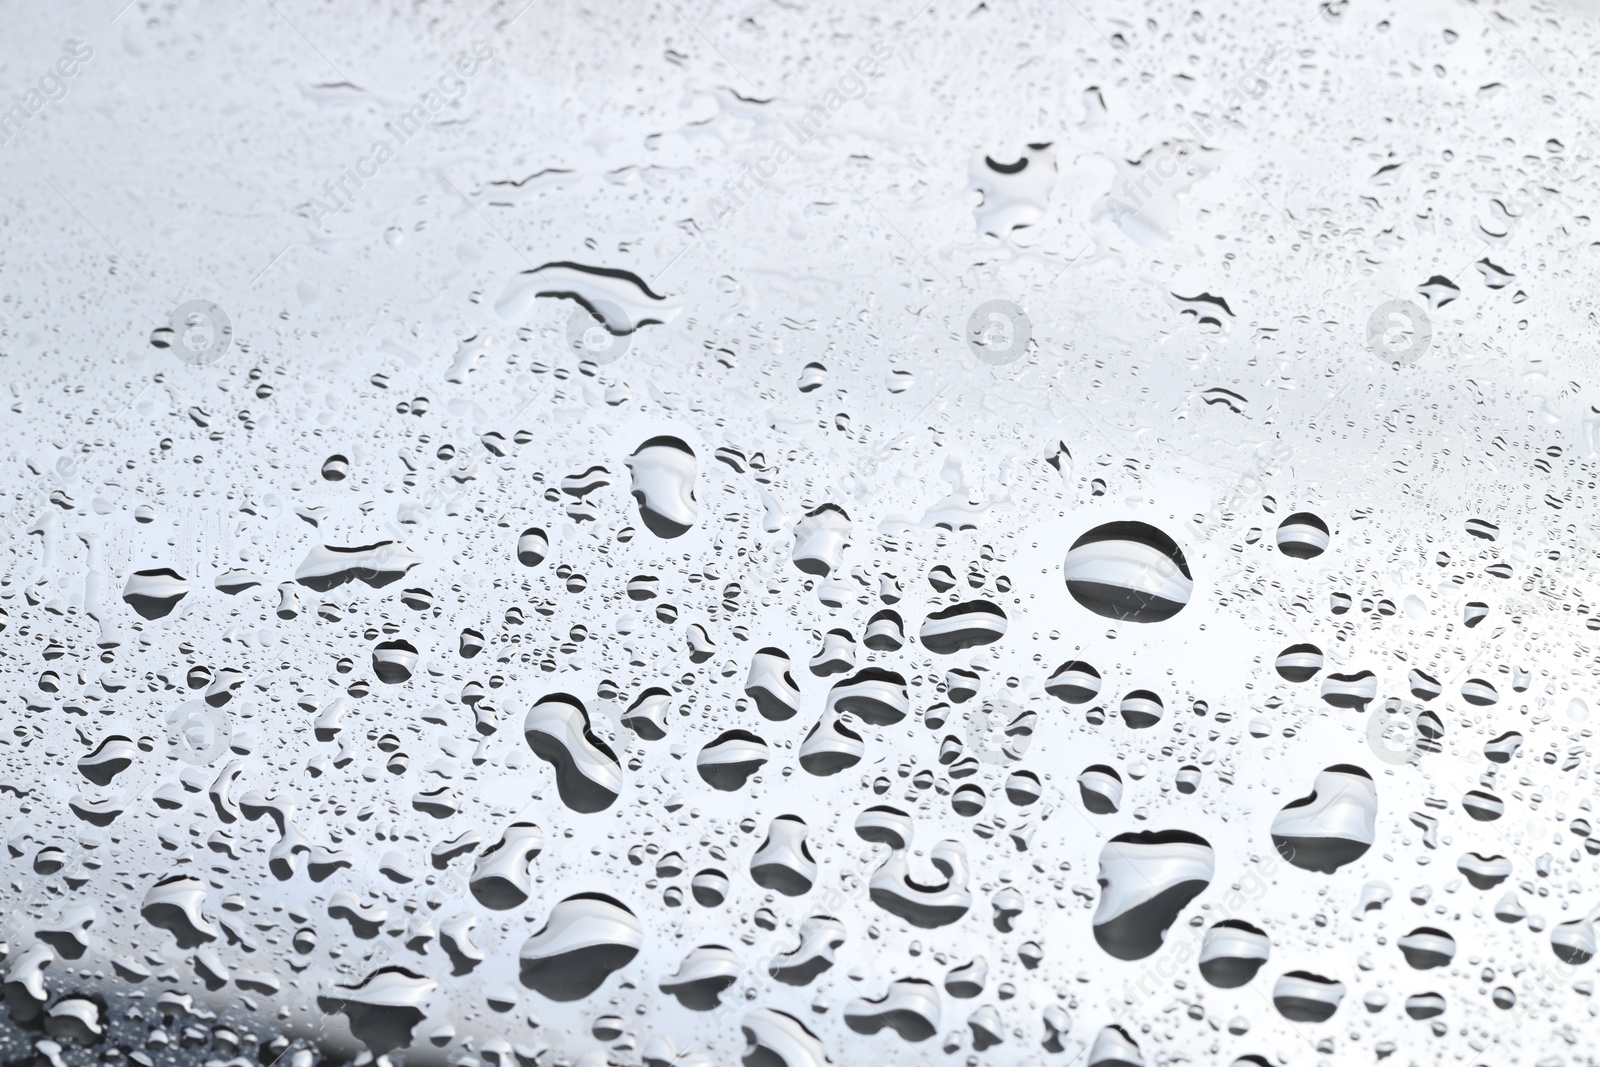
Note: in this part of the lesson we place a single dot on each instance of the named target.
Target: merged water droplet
(588, 774)
(154, 593)
(1333, 825)
(663, 470)
(1146, 879)
(587, 938)
(910, 1008)
(1129, 571)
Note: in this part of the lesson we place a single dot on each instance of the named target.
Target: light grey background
(1346, 155)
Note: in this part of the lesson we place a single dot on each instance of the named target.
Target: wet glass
(545, 535)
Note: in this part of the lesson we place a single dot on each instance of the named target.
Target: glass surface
(677, 534)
